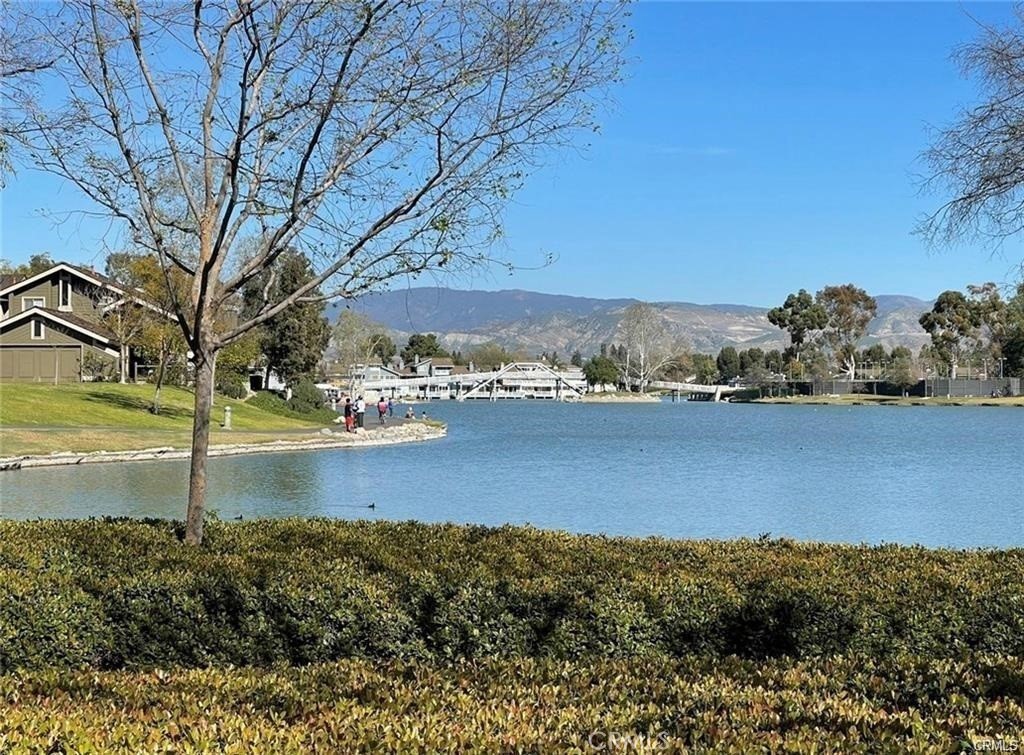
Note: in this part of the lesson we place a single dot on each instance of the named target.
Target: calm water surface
(950, 476)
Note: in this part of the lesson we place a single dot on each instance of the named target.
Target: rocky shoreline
(409, 432)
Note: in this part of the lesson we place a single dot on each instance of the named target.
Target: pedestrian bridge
(711, 392)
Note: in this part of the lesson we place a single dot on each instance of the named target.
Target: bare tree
(22, 55)
(355, 340)
(379, 138)
(650, 348)
(979, 159)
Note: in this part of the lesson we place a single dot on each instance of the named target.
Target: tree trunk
(159, 383)
(124, 364)
(200, 449)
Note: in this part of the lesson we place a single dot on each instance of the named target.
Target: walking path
(394, 432)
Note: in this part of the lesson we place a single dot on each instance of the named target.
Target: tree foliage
(152, 331)
(489, 355)
(900, 370)
(293, 341)
(422, 346)
(728, 363)
(705, 369)
(1013, 346)
(356, 340)
(601, 370)
(952, 324)
(801, 316)
(383, 347)
(134, 324)
(37, 263)
(848, 311)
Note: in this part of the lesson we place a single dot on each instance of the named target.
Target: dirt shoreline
(619, 398)
(322, 440)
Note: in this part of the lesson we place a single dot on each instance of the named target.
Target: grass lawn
(37, 419)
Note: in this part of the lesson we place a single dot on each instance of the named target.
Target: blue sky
(754, 149)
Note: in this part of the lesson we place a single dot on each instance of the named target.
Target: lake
(938, 476)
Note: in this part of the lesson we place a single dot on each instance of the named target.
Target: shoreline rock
(324, 439)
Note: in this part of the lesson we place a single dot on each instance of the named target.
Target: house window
(64, 286)
(38, 330)
(27, 302)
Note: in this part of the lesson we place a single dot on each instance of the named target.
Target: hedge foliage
(128, 594)
(271, 402)
(647, 704)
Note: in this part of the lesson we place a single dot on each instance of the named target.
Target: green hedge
(128, 594)
(848, 705)
(269, 401)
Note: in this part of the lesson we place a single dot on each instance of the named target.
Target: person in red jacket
(350, 420)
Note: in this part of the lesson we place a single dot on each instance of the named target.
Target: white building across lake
(438, 378)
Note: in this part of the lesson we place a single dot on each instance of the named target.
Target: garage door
(38, 364)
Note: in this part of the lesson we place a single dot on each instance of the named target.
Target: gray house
(51, 326)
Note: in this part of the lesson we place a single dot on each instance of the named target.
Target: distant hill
(537, 322)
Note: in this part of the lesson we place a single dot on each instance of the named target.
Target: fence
(958, 388)
(966, 387)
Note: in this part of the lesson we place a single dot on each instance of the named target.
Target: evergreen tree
(728, 363)
(422, 345)
(801, 316)
(384, 347)
(292, 342)
(601, 370)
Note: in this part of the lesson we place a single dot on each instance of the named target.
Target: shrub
(650, 704)
(231, 384)
(128, 594)
(269, 401)
(306, 398)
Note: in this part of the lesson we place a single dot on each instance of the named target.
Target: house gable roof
(90, 276)
(13, 285)
(87, 327)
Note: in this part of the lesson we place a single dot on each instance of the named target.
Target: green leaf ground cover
(318, 635)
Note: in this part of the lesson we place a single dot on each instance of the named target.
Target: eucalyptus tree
(848, 311)
(992, 317)
(953, 324)
(801, 316)
(379, 138)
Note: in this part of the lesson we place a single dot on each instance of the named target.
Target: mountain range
(536, 322)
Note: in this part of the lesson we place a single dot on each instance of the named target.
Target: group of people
(355, 412)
